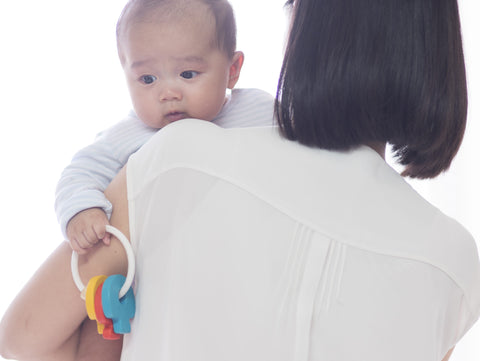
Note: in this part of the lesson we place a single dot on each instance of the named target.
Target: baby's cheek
(211, 107)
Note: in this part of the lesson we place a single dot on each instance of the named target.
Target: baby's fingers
(101, 232)
(88, 238)
(77, 248)
(107, 238)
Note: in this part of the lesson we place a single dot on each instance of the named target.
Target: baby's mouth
(174, 116)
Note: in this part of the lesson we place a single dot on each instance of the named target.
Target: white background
(60, 84)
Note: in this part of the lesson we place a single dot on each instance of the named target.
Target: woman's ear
(235, 68)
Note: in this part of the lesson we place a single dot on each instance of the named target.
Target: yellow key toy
(91, 290)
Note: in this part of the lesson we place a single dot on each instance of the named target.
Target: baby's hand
(86, 228)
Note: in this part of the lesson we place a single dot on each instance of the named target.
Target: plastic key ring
(131, 264)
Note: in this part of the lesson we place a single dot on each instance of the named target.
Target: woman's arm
(449, 353)
(44, 320)
(46, 314)
(91, 346)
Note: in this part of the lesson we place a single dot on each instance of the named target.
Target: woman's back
(268, 250)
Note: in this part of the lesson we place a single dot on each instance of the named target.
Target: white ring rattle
(130, 257)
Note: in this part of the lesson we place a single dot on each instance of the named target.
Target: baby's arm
(81, 207)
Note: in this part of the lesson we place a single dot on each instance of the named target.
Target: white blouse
(251, 247)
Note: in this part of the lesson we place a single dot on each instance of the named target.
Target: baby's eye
(189, 74)
(148, 79)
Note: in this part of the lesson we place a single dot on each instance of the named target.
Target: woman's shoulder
(187, 135)
(195, 144)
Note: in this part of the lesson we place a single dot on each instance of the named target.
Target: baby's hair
(147, 10)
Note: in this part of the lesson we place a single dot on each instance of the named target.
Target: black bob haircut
(366, 71)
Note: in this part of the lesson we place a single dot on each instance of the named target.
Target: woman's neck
(378, 147)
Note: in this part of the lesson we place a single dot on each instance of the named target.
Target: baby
(179, 58)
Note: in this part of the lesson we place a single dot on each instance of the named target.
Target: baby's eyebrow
(139, 63)
(191, 59)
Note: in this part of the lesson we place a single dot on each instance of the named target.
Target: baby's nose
(170, 92)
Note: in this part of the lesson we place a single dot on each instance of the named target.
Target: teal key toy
(117, 297)
(119, 310)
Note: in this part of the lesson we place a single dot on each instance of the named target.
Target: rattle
(109, 300)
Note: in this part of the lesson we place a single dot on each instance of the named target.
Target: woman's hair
(366, 71)
(141, 10)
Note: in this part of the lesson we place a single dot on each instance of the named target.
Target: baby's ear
(235, 68)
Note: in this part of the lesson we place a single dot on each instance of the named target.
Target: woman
(253, 247)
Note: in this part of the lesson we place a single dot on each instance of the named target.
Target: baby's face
(174, 71)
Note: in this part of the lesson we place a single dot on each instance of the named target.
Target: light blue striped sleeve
(247, 107)
(91, 170)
